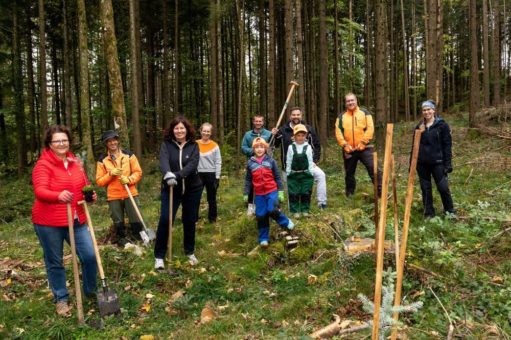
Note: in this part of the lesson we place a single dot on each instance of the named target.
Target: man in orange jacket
(354, 131)
(115, 170)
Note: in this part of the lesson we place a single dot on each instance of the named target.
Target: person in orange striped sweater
(210, 168)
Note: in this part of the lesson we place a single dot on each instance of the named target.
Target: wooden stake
(381, 230)
(406, 223)
(375, 187)
(78, 291)
(396, 218)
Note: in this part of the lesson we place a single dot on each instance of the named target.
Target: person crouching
(298, 169)
(263, 174)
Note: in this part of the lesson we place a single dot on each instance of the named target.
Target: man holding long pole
(115, 170)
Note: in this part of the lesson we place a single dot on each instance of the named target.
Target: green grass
(268, 295)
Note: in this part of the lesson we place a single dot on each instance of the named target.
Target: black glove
(447, 169)
(216, 183)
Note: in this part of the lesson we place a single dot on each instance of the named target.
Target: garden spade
(146, 234)
(108, 302)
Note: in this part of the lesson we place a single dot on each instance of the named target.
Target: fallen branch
(500, 233)
(413, 266)
(335, 328)
(451, 326)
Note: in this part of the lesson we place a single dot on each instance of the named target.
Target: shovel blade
(151, 234)
(108, 302)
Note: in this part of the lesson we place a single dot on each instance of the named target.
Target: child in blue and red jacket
(263, 174)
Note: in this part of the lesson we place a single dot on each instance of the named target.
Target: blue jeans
(52, 241)
(268, 206)
(190, 202)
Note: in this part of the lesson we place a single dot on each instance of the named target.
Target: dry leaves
(207, 314)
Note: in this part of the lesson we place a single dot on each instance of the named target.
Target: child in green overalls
(298, 169)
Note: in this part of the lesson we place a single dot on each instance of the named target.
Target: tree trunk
(414, 64)
(42, 72)
(241, 70)
(486, 55)
(213, 62)
(380, 65)
(55, 81)
(263, 88)
(323, 76)
(19, 111)
(166, 67)
(84, 88)
(271, 65)
(496, 53)
(221, 120)
(34, 133)
(135, 114)
(177, 72)
(114, 71)
(67, 72)
(405, 65)
(288, 42)
(474, 67)
(299, 54)
(337, 101)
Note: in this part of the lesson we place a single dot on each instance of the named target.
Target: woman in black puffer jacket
(179, 159)
(435, 159)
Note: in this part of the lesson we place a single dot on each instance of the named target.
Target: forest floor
(279, 293)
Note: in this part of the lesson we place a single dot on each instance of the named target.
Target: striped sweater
(210, 157)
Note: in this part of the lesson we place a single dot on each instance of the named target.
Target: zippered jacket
(284, 138)
(128, 163)
(183, 161)
(248, 138)
(354, 128)
(264, 176)
(50, 177)
(436, 143)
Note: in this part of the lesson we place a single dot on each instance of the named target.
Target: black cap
(108, 135)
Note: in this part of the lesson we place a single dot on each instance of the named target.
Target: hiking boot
(122, 242)
(290, 225)
(136, 228)
(63, 309)
(192, 260)
(159, 264)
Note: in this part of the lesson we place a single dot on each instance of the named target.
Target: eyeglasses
(60, 141)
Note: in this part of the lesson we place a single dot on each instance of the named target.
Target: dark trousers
(190, 202)
(251, 194)
(350, 166)
(425, 171)
(209, 182)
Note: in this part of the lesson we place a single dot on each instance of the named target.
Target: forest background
(133, 65)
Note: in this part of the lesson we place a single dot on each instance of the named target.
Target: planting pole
(396, 218)
(381, 230)
(375, 187)
(406, 223)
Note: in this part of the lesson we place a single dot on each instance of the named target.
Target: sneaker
(63, 309)
(322, 206)
(159, 264)
(192, 260)
(290, 225)
(263, 244)
(251, 209)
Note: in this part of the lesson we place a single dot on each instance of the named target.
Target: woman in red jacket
(58, 179)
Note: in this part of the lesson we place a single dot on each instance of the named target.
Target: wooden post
(78, 290)
(381, 230)
(406, 223)
(375, 187)
(396, 218)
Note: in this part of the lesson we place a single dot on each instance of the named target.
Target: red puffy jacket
(50, 178)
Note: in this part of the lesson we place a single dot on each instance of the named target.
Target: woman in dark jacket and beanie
(435, 158)
(179, 159)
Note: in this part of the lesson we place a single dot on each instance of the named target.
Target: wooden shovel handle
(79, 305)
(94, 243)
(169, 240)
(137, 211)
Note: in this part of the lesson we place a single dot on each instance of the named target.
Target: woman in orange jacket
(117, 169)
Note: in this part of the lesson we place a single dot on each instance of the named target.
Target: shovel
(108, 302)
(79, 305)
(169, 240)
(146, 234)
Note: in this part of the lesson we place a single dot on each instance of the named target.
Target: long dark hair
(169, 132)
(48, 135)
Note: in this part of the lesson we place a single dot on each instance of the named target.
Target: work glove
(281, 196)
(361, 146)
(170, 177)
(124, 180)
(347, 148)
(115, 172)
(216, 183)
